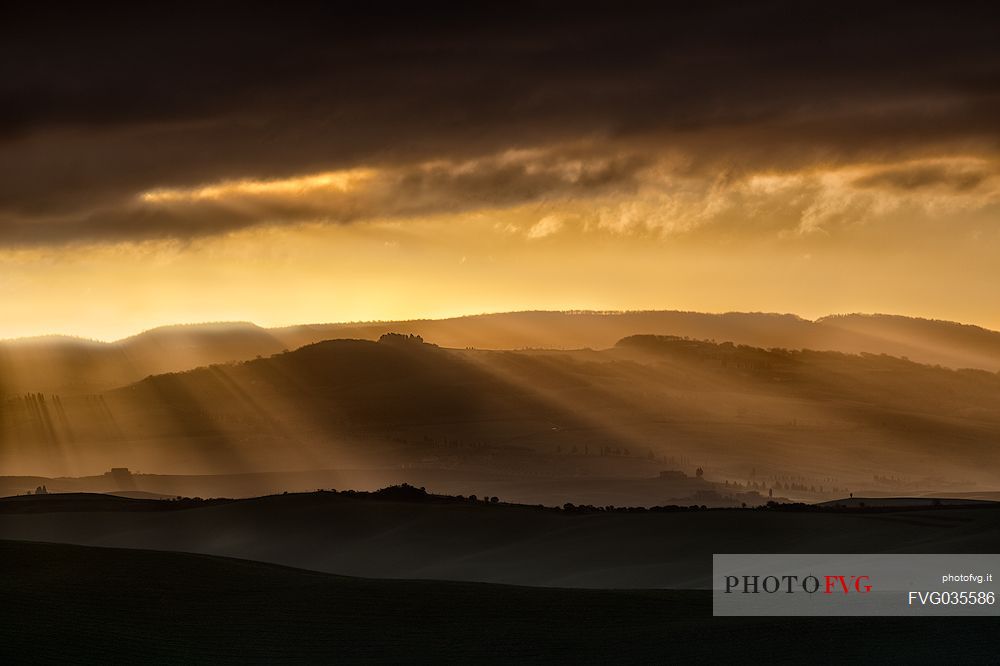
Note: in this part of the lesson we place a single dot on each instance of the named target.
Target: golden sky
(765, 158)
(812, 242)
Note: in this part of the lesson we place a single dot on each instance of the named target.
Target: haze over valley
(539, 423)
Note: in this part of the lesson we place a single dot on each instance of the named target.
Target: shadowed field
(89, 605)
(443, 538)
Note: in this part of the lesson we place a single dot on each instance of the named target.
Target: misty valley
(653, 419)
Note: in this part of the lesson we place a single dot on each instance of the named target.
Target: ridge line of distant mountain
(236, 325)
(61, 364)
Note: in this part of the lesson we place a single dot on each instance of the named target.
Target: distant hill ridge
(66, 365)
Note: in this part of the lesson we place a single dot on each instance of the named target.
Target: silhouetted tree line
(407, 493)
(400, 338)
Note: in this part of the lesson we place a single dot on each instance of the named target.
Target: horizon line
(571, 311)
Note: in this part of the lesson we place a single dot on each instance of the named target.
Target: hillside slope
(807, 423)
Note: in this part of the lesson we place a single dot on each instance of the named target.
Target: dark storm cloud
(98, 107)
(392, 192)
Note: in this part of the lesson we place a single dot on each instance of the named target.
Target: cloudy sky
(303, 165)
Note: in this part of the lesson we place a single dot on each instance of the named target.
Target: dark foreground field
(76, 604)
(439, 538)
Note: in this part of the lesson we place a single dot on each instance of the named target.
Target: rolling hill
(99, 605)
(800, 424)
(383, 536)
(67, 365)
